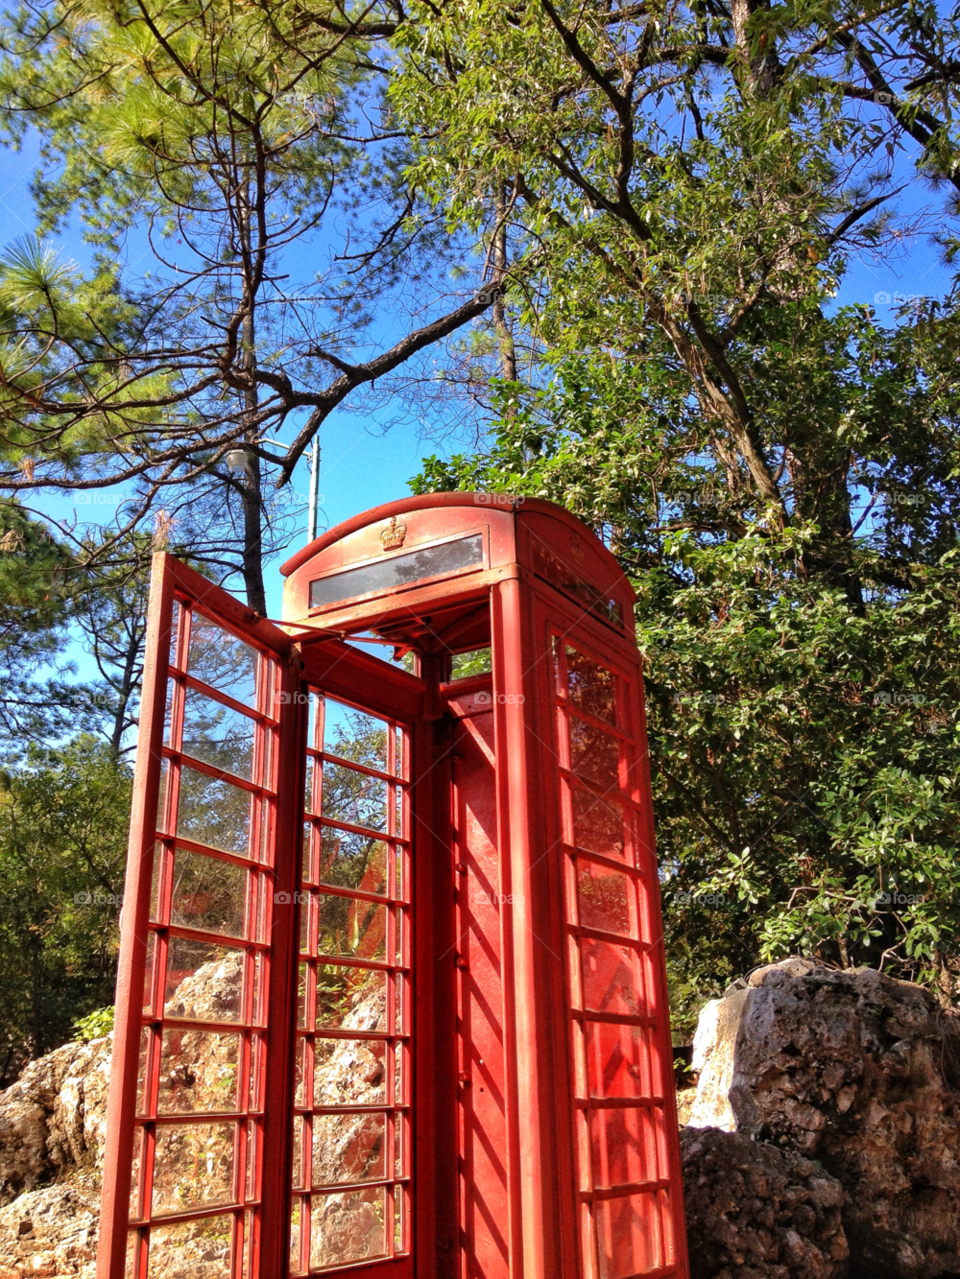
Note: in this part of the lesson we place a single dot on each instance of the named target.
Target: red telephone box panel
(392, 997)
(205, 956)
(352, 1148)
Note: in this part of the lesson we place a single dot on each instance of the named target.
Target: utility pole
(314, 488)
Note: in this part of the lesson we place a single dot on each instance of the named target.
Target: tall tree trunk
(251, 493)
(136, 635)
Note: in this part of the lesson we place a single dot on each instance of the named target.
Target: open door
(261, 1091)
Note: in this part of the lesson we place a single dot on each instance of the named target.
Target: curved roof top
(428, 502)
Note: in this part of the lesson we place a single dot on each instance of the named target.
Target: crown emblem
(393, 535)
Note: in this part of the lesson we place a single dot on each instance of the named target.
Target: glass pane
(599, 824)
(349, 796)
(204, 982)
(132, 1270)
(349, 860)
(350, 1072)
(399, 1146)
(348, 998)
(307, 865)
(192, 1248)
(311, 800)
(350, 927)
(399, 1219)
(149, 974)
(198, 1071)
(193, 1166)
(606, 899)
(175, 622)
(624, 1146)
(146, 1042)
(355, 735)
(214, 812)
(619, 1061)
(220, 659)
(299, 1072)
(347, 1227)
(629, 1236)
(611, 978)
(402, 1003)
(400, 1053)
(135, 1173)
(217, 735)
(208, 894)
(399, 570)
(297, 1157)
(591, 687)
(295, 1215)
(348, 1148)
(165, 819)
(594, 754)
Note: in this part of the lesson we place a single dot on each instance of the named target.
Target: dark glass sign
(398, 570)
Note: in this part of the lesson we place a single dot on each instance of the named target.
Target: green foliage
(63, 826)
(38, 580)
(684, 192)
(476, 662)
(804, 749)
(95, 1025)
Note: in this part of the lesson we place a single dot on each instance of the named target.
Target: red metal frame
(506, 945)
(147, 1031)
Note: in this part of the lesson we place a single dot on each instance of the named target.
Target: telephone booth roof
(385, 567)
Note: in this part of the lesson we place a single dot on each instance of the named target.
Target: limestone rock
(50, 1234)
(862, 1073)
(685, 1099)
(754, 1211)
(54, 1117)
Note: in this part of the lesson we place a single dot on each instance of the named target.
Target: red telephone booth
(392, 997)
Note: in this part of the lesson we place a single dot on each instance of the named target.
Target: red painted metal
(523, 1122)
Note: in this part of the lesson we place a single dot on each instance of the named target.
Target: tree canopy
(777, 473)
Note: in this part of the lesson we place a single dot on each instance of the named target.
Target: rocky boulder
(54, 1118)
(861, 1073)
(754, 1211)
(50, 1234)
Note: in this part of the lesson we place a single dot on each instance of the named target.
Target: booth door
(259, 1122)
